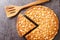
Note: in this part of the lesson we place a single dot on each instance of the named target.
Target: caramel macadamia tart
(47, 21)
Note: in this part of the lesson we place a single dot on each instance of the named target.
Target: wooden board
(8, 25)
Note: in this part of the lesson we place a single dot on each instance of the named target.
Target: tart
(47, 21)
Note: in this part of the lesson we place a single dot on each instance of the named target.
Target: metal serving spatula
(13, 10)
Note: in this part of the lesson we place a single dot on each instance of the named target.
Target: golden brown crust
(47, 20)
(23, 25)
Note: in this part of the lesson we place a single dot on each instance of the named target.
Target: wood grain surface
(8, 25)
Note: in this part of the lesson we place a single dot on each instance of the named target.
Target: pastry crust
(47, 21)
(23, 25)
